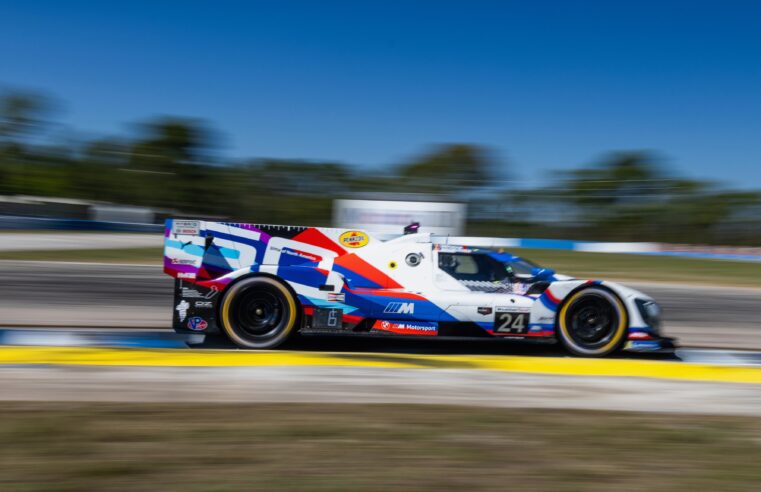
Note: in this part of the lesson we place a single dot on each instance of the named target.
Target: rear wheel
(592, 322)
(258, 313)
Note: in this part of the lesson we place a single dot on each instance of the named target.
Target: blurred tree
(170, 164)
(293, 191)
(166, 167)
(622, 178)
(630, 197)
(22, 113)
(96, 174)
(447, 169)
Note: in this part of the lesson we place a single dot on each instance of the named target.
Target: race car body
(260, 284)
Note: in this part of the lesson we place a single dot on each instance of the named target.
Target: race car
(258, 285)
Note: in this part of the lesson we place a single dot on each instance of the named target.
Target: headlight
(650, 312)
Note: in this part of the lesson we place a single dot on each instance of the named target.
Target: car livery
(259, 284)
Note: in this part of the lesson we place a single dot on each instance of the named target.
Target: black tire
(592, 322)
(258, 313)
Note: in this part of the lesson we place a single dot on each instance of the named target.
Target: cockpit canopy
(491, 266)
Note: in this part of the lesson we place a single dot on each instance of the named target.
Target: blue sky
(547, 85)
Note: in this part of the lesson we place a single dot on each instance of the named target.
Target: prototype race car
(259, 284)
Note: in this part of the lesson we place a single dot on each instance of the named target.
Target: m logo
(400, 308)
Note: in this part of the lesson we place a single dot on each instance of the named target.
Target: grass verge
(68, 446)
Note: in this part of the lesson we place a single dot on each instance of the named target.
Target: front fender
(545, 309)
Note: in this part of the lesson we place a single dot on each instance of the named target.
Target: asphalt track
(49, 241)
(123, 299)
(135, 375)
(140, 296)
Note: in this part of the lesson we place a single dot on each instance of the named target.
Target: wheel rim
(259, 312)
(592, 321)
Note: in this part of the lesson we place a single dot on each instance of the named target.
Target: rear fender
(195, 250)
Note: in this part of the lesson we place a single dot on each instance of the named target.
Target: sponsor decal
(181, 261)
(182, 309)
(484, 310)
(336, 296)
(353, 239)
(400, 308)
(186, 227)
(188, 293)
(301, 254)
(202, 304)
(191, 294)
(186, 275)
(408, 328)
(197, 323)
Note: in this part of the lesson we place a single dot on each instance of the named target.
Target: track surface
(373, 385)
(120, 296)
(41, 241)
(99, 295)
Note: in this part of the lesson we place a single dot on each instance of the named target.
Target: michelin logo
(400, 308)
(182, 309)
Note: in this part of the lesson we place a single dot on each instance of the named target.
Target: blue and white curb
(91, 338)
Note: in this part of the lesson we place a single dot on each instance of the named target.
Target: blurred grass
(646, 267)
(188, 447)
(603, 266)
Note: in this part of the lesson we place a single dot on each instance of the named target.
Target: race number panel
(511, 320)
(327, 318)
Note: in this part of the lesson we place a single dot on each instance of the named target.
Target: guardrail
(40, 223)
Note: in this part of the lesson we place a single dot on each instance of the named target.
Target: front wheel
(592, 322)
(258, 313)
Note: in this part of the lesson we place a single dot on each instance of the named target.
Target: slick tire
(592, 322)
(259, 313)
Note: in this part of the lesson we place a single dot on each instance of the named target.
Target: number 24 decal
(510, 322)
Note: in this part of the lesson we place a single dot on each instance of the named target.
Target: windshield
(519, 266)
(476, 267)
(522, 266)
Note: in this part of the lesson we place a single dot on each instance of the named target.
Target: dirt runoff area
(138, 446)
